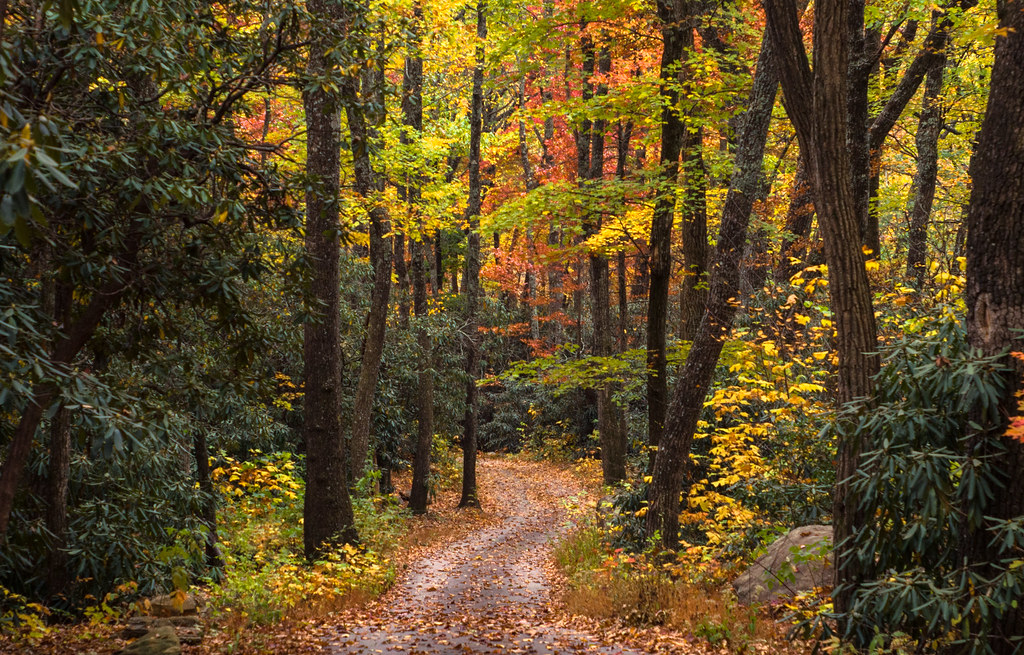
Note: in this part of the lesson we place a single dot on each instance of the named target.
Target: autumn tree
(817, 104)
(328, 511)
(995, 291)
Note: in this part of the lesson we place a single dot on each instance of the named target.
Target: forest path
(488, 592)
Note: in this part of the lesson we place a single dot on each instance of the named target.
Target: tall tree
(327, 511)
(676, 18)
(591, 157)
(412, 111)
(995, 285)
(927, 141)
(817, 105)
(471, 285)
(368, 185)
(695, 378)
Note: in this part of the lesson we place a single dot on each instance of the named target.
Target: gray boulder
(160, 640)
(798, 561)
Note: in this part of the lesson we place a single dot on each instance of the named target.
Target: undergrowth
(639, 590)
(267, 578)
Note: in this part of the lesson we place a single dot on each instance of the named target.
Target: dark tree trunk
(995, 284)
(401, 271)
(58, 479)
(817, 104)
(327, 511)
(366, 184)
(927, 141)
(471, 285)
(59, 470)
(65, 349)
(201, 451)
(438, 267)
(613, 440)
(412, 113)
(695, 378)
(799, 216)
(693, 285)
(677, 34)
(419, 496)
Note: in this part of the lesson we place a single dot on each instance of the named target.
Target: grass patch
(608, 584)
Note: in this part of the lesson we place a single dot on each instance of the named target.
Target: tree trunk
(471, 285)
(677, 34)
(927, 141)
(799, 216)
(58, 478)
(366, 184)
(412, 111)
(201, 451)
(693, 285)
(695, 378)
(419, 495)
(613, 440)
(817, 104)
(995, 283)
(65, 349)
(59, 469)
(401, 271)
(327, 511)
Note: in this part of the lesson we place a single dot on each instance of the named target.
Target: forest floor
(470, 581)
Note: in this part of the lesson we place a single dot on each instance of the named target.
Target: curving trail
(488, 592)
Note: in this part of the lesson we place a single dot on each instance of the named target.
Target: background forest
(760, 260)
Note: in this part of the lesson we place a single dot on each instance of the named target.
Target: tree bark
(677, 33)
(65, 349)
(412, 110)
(995, 283)
(471, 285)
(693, 286)
(612, 438)
(695, 379)
(201, 451)
(817, 104)
(367, 185)
(927, 141)
(327, 510)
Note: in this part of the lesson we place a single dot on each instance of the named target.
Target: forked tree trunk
(695, 378)
(817, 104)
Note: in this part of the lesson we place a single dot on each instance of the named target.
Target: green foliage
(925, 483)
(267, 576)
(133, 518)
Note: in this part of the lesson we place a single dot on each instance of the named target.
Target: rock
(173, 605)
(795, 562)
(161, 640)
(186, 627)
(190, 635)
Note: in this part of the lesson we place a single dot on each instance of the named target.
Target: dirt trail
(488, 592)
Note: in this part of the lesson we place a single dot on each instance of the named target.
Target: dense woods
(274, 274)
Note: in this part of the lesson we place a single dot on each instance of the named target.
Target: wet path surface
(486, 593)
